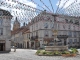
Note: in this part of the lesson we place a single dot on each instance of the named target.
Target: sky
(55, 4)
(30, 3)
(25, 16)
(47, 3)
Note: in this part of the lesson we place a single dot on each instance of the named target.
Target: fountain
(56, 47)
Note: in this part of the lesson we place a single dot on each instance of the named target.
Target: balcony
(34, 37)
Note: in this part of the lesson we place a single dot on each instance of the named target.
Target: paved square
(29, 54)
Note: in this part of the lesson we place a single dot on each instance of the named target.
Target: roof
(22, 29)
(27, 31)
(5, 13)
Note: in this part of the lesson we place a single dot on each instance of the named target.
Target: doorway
(27, 44)
(2, 46)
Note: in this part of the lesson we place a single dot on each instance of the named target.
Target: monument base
(54, 48)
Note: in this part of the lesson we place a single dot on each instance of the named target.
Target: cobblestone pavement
(28, 54)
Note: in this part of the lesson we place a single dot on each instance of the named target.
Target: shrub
(44, 52)
(38, 51)
(74, 50)
(50, 53)
(57, 53)
(65, 52)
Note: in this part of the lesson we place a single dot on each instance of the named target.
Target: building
(5, 30)
(26, 39)
(19, 35)
(43, 25)
(40, 32)
(16, 24)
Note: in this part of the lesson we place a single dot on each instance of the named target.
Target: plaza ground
(29, 54)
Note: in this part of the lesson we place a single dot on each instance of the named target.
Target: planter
(68, 55)
(73, 55)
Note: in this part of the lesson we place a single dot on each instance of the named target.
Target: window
(69, 27)
(46, 33)
(45, 18)
(66, 20)
(75, 34)
(46, 25)
(36, 33)
(27, 35)
(79, 33)
(75, 40)
(1, 21)
(77, 22)
(64, 26)
(71, 21)
(70, 41)
(1, 31)
(52, 25)
(1, 13)
(70, 34)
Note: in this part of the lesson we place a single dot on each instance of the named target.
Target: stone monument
(57, 47)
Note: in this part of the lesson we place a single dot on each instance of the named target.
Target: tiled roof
(22, 29)
(26, 31)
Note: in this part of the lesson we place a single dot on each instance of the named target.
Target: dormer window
(71, 21)
(66, 20)
(77, 22)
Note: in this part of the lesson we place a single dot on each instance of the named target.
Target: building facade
(42, 30)
(5, 30)
(19, 35)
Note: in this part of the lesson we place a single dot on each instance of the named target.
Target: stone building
(19, 35)
(43, 25)
(40, 31)
(16, 24)
(5, 30)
